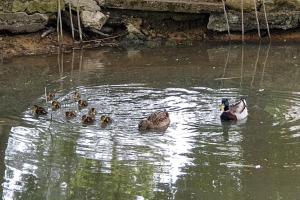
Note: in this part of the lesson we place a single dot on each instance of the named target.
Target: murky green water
(196, 158)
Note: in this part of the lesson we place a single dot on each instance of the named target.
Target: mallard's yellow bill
(221, 107)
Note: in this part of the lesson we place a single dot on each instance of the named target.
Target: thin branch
(226, 17)
(78, 21)
(257, 21)
(266, 18)
(71, 21)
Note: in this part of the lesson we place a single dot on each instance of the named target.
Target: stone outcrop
(93, 20)
(84, 5)
(22, 22)
(248, 5)
(36, 6)
(281, 20)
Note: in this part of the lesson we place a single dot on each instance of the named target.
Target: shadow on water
(50, 157)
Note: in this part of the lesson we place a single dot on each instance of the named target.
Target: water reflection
(198, 156)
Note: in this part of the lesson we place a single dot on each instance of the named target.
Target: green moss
(36, 6)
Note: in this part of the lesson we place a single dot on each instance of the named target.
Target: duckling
(55, 105)
(38, 110)
(70, 114)
(86, 119)
(76, 96)
(236, 111)
(50, 96)
(106, 119)
(92, 111)
(82, 103)
(158, 120)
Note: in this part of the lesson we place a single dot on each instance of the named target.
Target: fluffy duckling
(82, 103)
(105, 120)
(236, 111)
(76, 96)
(70, 114)
(87, 119)
(55, 105)
(92, 111)
(50, 96)
(158, 120)
(38, 110)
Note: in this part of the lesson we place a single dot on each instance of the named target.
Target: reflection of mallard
(105, 120)
(157, 120)
(76, 96)
(50, 96)
(38, 110)
(70, 114)
(82, 104)
(55, 105)
(92, 111)
(87, 119)
(236, 111)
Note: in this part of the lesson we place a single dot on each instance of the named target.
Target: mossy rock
(36, 6)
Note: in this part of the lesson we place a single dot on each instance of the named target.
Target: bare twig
(78, 22)
(60, 20)
(266, 18)
(257, 21)
(226, 17)
(242, 12)
(71, 21)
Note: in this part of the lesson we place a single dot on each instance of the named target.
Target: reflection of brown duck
(55, 105)
(38, 110)
(50, 96)
(76, 96)
(157, 120)
(105, 120)
(82, 103)
(87, 119)
(93, 112)
(70, 114)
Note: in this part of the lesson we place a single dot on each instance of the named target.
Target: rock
(248, 5)
(85, 5)
(280, 20)
(36, 6)
(22, 23)
(101, 2)
(94, 20)
(279, 5)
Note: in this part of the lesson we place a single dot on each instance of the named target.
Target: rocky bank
(29, 26)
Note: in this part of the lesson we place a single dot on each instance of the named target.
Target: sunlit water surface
(197, 157)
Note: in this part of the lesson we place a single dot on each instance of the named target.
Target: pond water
(197, 157)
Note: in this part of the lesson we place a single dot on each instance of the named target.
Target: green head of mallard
(224, 105)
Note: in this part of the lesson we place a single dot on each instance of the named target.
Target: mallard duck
(38, 110)
(82, 103)
(55, 105)
(105, 120)
(157, 120)
(92, 111)
(87, 119)
(236, 111)
(50, 96)
(70, 114)
(76, 96)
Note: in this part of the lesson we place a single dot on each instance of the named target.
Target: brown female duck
(158, 120)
